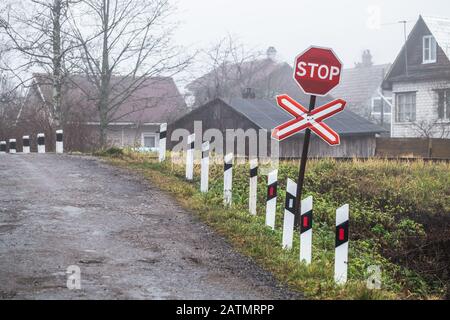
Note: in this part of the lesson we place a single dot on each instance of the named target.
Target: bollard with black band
(341, 247)
(190, 157)
(204, 174)
(2, 146)
(26, 144)
(162, 142)
(253, 190)
(41, 143)
(227, 179)
(12, 146)
(59, 141)
(271, 202)
(289, 214)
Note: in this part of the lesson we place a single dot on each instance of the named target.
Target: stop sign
(317, 70)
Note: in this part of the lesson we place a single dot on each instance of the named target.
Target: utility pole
(404, 22)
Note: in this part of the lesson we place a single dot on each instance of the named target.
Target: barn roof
(267, 115)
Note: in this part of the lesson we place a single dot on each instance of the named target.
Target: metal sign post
(317, 71)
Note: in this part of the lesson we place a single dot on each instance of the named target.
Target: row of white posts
(306, 216)
(12, 147)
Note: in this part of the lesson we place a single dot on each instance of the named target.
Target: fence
(413, 148)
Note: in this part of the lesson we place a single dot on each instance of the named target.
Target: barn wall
(220, 116)
(351, 146)
(214, 115)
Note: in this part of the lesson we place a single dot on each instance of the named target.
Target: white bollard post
(306, 221)
(228, 179)
(26, 144)
(253, 186)
(190, 157)
(204, 167)
(162, 142)
(2, 146)
(59, 141)
(41, 143)
(289, 214)
(12, 145)
(341, 247)
(271, 202)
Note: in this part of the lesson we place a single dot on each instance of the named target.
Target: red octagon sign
(317, 70)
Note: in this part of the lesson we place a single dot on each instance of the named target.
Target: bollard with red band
(289, 214)
(306, 222)
(341, 247)
(26, 144)
(253, 186)
(271, 203)
(190, 157)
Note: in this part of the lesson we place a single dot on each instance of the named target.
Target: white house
(420, 82)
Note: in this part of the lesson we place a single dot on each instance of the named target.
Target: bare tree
(432, 129)
(130, 38)
(36, 30)
(230, 68)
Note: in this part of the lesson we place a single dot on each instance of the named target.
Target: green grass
(385, 198)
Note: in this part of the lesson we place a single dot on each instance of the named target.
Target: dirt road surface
(129, 239)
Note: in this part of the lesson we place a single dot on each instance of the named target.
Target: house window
(429, 49)
(376, 106)
(444, 104)
(405, 107)
(149, 140)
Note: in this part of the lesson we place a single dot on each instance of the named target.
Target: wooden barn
(358, 135)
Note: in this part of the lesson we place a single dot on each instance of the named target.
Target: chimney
(271, 53)
(248, 93)
(366, 60)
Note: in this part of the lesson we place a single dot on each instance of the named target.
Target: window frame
(149, 135)
(432, 48)
(446, 100)
(397, 107)
(373, 112)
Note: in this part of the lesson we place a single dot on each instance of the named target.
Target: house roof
(359, 84)
(266, 76)
(154, 100)
(267, 115)
(440, 28)
(251, 71)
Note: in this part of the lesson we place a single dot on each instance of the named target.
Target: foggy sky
(348, 26)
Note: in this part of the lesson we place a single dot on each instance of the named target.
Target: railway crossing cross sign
(317, 71)
(305, 119)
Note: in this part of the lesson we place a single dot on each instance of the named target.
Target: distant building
(361, 88)
(263, 78)
(136, 120)
(420, 81)
(358, 135)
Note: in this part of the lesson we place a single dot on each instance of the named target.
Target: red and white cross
(305, 119)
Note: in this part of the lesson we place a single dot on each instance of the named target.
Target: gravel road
(129, 239)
